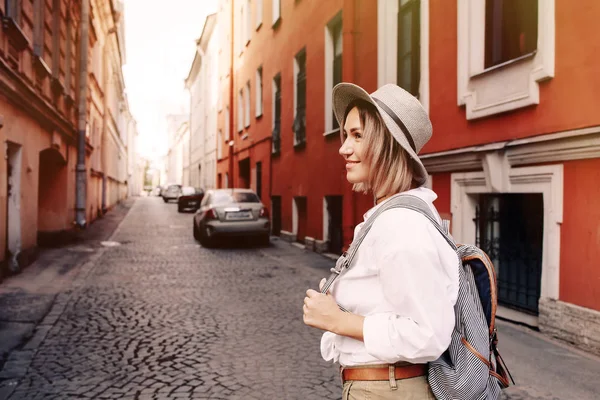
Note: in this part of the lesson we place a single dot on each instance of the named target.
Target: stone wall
(577, 325)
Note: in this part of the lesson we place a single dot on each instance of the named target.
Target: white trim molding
(576, 144)
(387, 46)
(546, 179)
(508, 86)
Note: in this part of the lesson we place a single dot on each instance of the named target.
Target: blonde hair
(391, 168)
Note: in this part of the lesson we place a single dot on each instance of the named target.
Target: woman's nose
(345, 150)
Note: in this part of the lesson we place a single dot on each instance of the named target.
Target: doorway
(13, 205)
(300, 218)
(509, 228)
(52, 196)
(244, 168)
(276, 215)
(333, 224)
(259, 179)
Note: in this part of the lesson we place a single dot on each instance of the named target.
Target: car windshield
(173, 188)
(236, 197)
(188, 190)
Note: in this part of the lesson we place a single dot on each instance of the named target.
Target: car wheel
(179, 208)
(195, 231)
(165, 200)
(265, 240)
(205, 239)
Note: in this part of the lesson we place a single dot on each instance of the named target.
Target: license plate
(238, 215)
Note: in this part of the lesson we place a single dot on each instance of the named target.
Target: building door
(509, 228)
(276, 215)
(13, 205)
(300, 217)
(334, 237)
(244, 168)
(52, 196)
(259, 179)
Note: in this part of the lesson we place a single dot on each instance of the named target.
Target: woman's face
(357, 169)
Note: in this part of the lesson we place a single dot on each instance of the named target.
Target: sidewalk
(26, 298)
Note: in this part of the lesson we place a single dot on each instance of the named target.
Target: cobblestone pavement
(160, 317)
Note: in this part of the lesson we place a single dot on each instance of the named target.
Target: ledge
(330, 133)
(40, 66)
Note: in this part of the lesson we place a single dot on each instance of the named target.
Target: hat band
(398, 122)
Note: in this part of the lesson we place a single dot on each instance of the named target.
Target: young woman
(403, 282)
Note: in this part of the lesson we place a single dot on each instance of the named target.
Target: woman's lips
(350, 164)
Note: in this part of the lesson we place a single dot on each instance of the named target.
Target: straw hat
(403, 114)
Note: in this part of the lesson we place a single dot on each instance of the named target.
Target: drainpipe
(81, 181)
(232, 128)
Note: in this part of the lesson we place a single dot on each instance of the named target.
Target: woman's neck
(379, 199)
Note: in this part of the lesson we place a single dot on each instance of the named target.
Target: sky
(160, 42)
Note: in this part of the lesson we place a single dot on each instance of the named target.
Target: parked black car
(190, 198)
(172, 192)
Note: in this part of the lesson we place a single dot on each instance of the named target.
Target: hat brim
(345, 93)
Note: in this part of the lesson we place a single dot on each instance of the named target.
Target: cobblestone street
(160, 317)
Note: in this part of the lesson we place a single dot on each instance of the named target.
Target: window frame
(240, 119)
(259, 92)
(276, 9)
(334, 27)
(505, 87)
(413, 9)
(247, 105)
(276, 119)
(299, 125)
(259, 14)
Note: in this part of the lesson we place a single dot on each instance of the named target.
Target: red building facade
(512, 91)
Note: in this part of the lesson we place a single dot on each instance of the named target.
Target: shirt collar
(422, 192)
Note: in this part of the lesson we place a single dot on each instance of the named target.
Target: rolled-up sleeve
(416, 283)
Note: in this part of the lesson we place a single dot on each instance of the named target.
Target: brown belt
(383, 373)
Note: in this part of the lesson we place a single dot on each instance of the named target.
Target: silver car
(231, 213)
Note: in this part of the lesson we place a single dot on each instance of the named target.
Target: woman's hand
(320, 310)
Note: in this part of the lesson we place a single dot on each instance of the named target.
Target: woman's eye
(357, 135)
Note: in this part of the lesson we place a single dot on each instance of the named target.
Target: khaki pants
(408, 389)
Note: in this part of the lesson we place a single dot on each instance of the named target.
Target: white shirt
(404, 281)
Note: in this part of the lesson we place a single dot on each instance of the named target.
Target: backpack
(471, 368)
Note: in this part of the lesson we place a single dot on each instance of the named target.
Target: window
(227, 130)
(276, 12)
(409, 43)
(299, 125)
(491, 34)
(247, 105)
(276, 147)
(248, 21)
(510, 30)
(239, 33)
(13, 10)
(259, 13)
(220, 141)
(333, 67)
(240, 110)
(69, 55)
(56, 67)
(38, 27)
(219, 96)
(259, 92)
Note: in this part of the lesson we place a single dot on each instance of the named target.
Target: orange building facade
(40, 86)
(512, 91)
